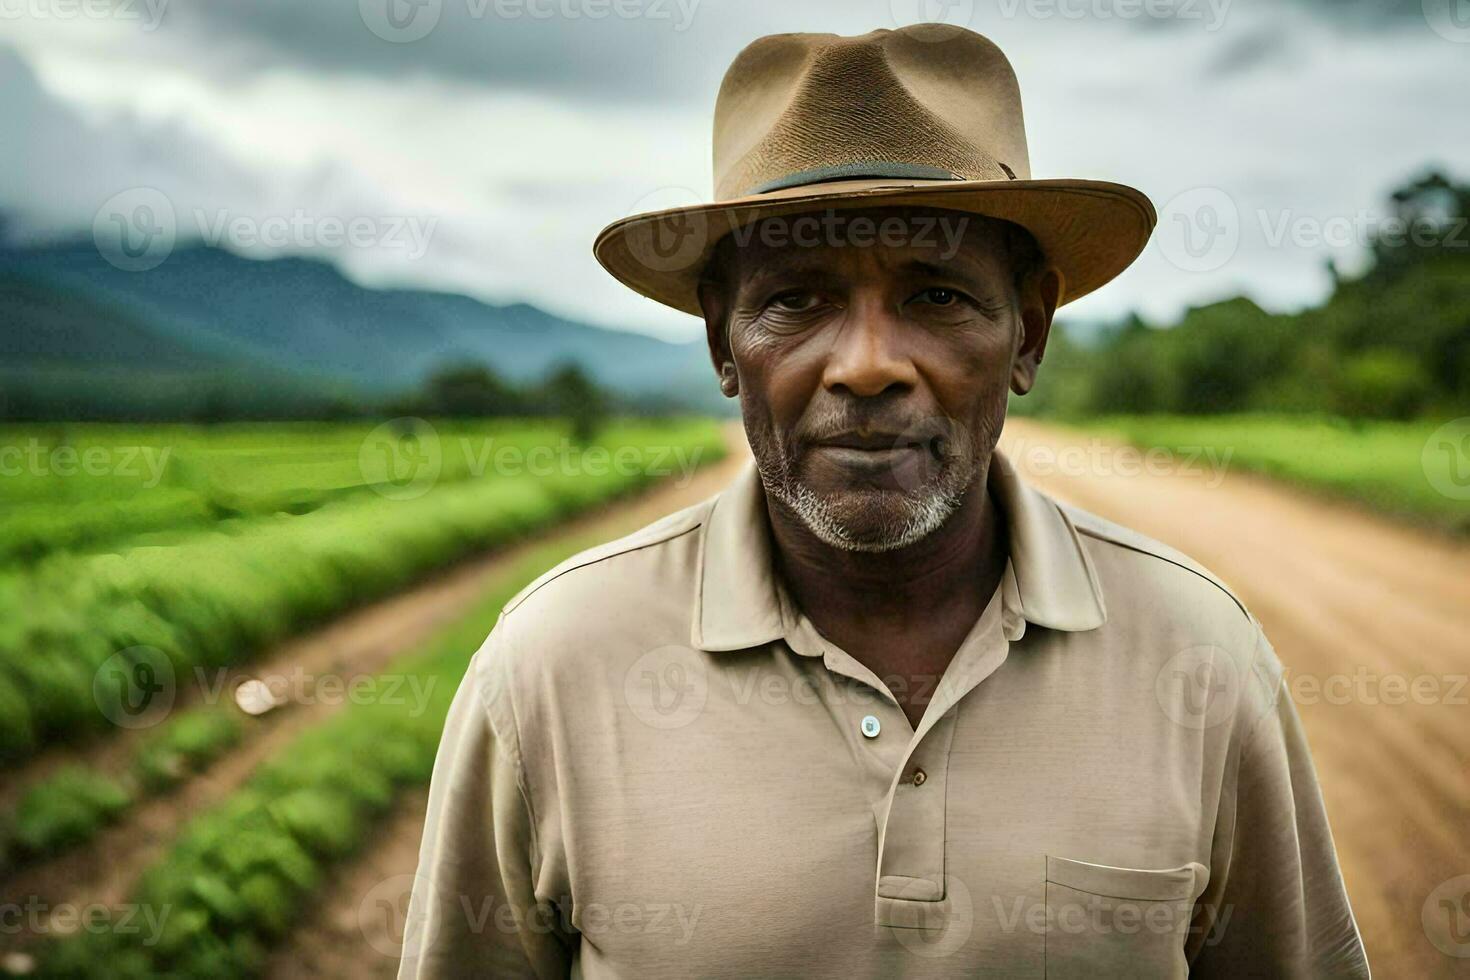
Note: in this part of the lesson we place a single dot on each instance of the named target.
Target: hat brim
(1089, 230)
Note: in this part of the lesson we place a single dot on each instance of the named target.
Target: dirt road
(1372, 620)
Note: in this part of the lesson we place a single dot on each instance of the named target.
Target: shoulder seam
(1206, 576)
(595, 555)
(516, 759)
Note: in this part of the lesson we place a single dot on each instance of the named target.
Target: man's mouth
(910, 439)
(873, 441)
(877, 449)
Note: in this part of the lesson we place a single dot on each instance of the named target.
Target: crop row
(86, 487)
(74, 804)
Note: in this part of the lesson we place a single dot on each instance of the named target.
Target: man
(879, 709)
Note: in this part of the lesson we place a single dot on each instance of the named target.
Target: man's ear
(1039, 297)
(713, 302)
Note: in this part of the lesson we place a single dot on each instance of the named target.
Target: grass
(1378, 464)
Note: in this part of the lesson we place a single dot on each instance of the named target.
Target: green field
(176, 550)
(1380, 464)
(81, 487)
(181, 549)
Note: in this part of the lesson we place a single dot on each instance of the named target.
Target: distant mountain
(296, 324)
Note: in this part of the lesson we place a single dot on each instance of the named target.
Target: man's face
(873, 369)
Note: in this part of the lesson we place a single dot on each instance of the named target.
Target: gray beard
(892, 519)
(919, 517)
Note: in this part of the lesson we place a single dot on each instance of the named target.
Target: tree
(1379, 384)
(1428, 218)
(570, 393)
(469, 391)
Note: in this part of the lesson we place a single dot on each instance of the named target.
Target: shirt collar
(738, 601)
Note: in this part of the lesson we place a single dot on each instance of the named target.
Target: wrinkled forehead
(866, 239)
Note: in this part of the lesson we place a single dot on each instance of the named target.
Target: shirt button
(871, 726)
(920, 777)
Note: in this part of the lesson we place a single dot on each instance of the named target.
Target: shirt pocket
(1103, 921)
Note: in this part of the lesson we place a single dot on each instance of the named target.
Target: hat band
(855, 171)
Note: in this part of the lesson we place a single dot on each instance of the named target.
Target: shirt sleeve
(474, 911)
(1276, 896)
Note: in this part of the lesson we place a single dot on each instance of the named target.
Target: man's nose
(868, 355)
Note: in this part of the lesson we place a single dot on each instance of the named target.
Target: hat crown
(927, 101)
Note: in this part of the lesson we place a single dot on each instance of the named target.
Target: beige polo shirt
(657, 767)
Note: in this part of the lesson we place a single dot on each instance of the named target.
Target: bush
(1380, 384)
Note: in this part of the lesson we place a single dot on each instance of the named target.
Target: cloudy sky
(479, 145)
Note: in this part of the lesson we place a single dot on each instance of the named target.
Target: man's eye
(796, 301)
(939, 296)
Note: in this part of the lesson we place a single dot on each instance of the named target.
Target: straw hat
(923, 116)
